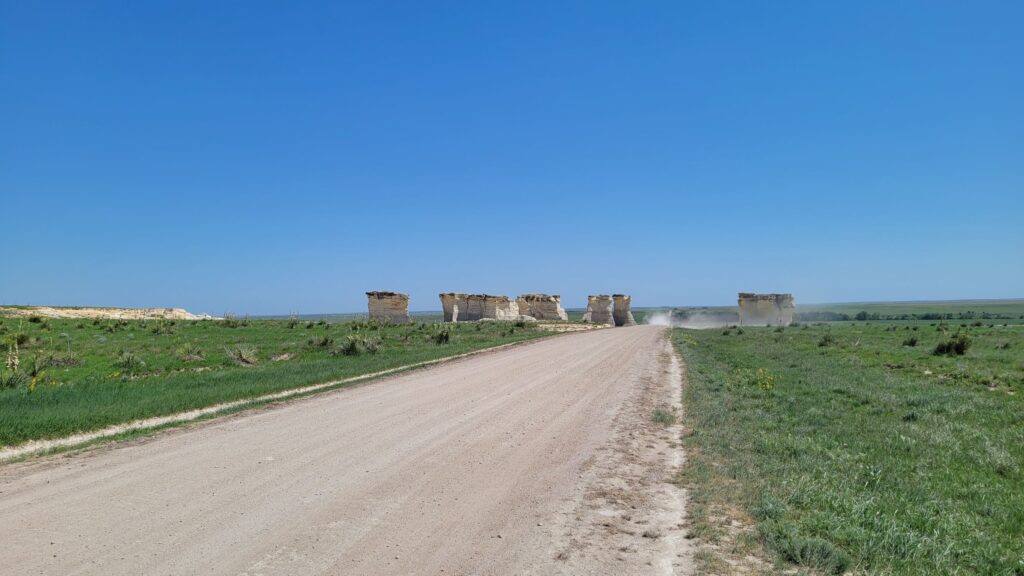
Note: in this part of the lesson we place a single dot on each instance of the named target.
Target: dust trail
(690, 319)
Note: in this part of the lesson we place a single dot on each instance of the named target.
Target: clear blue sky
(270, 157)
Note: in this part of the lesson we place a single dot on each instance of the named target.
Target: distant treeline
(863, 316)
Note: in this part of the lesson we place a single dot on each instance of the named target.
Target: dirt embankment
(105, 313)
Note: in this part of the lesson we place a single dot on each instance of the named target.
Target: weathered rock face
(542, 306)
(390, 307)
(460, 307)
(622, 312)
(599, 309)
(772, 309)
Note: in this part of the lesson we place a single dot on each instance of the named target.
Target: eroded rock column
(769, 309)
(390, 307)
(599, 309)
(623, 313)
(542, 306)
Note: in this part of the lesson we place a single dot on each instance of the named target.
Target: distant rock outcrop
(542, 306)
(74, 312)
(599, 309)
(770, 309)
(459, 307)
(622, 312)
(392, 307)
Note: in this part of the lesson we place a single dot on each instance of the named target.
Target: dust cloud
(697, 319)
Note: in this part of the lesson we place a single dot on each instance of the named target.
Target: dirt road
(540, 459)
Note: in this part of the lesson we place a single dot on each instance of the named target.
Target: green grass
(118, 371)
(864, 454)
(1006, 311)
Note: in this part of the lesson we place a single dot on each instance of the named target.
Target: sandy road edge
(112, 433)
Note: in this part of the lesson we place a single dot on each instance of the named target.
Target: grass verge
(78, 377)
(864, 455)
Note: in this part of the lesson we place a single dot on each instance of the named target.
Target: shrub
(35, 319)
(292, 323)
(14, 380)
(764, 379)
(320, 342)
(955, 346)
(242, 354)
(827, 339)
(190, 352)
(910, 342)
(441, 336)
(351, 347)
(372, 345)
(163, 327)
(801, 550)
(64, 361)
(232, 321)
(129, 362)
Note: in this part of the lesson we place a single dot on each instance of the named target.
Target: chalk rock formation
(460, 307)
(77, 312)
(772, 309)
(390, 307)
(599, 309)
(622, 312)
(542, 306)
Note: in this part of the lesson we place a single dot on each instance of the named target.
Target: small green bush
(189, 352)
(320, 342)
(442, 336)
(351, 347)
(129, 361)
(14, 380)
(955, 346)
(910, 342)
(827, 339)
(242, 354)
(813, 553)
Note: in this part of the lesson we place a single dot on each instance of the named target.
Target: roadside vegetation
(862, 448)
(62, 377)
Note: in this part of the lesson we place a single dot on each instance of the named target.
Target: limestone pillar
(391, 307)
(599, 309)
(623, 313)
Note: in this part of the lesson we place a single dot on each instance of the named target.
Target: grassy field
(1007, 311)
(872, 448)
(76, 376)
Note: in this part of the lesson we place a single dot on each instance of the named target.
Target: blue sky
(264, 157)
